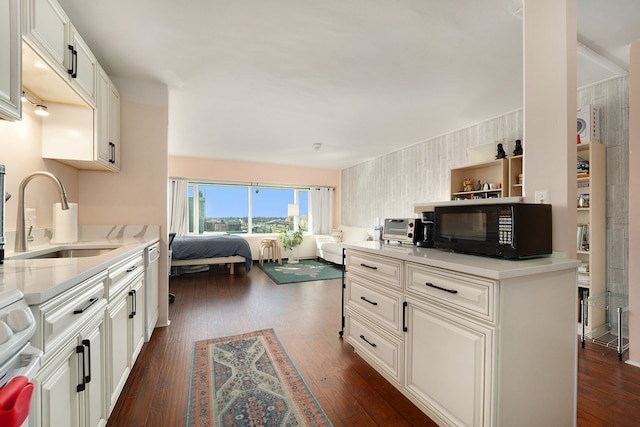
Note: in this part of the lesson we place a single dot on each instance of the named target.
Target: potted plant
(290, 241)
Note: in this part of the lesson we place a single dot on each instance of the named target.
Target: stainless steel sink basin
(73, 253)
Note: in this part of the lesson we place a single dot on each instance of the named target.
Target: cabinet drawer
(66, 313)
(122, 273)
(469, 294)
(382, 307)
(373, 345)
(385, 271)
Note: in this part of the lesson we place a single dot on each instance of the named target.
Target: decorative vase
(291, 259)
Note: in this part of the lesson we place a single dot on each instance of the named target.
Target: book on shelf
(583, 295)
(582, 237)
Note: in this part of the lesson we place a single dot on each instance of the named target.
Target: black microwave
(512, 230)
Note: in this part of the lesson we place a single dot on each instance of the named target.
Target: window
(245, 209)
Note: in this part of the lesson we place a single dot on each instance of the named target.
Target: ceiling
(264, 81)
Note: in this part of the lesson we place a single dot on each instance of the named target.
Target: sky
(232, 201)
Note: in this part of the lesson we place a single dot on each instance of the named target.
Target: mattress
(202, 247)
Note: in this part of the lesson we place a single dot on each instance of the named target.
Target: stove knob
(5, 332)
(19, 319)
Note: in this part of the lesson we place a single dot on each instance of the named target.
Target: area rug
(304, 271)
(249, 380)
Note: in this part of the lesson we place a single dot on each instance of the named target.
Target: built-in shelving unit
(504, 177)
(516, 176)
(493, 173)
(590, 233)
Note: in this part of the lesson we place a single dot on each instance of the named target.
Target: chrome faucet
(21, 232)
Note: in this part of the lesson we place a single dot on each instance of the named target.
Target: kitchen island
(470, 340)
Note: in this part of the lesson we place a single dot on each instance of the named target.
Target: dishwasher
(152, 256)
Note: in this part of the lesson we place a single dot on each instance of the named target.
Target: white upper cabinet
(107, 123)
(83, 129)
(50, 33)
(10, 60)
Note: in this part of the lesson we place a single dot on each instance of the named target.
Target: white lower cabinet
(382, 350)
(125, 322)
(71, 385)
(447, 364)
(118, 321)
(91, 336)
(137, 316)
(494, 348)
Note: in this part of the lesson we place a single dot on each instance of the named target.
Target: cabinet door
(83, 66)
(10, 60)
(55, 390)
(95, 391)
(102, 145)
(118, 339)
(114, 126)
(448, 363)
(107, 116)
(47, 29)
(152, 272)
(137, 317)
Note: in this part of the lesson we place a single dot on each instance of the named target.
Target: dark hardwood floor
(306, 319)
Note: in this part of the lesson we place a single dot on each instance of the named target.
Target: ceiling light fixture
(317, 145)
(40, 108)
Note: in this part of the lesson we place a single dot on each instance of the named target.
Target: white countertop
(44, 278)
(492, 268)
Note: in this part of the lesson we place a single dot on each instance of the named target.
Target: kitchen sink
(66, 253)
(75, 253)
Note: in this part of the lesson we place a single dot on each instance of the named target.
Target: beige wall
(20, 148)
(634, 204)
(228, 170)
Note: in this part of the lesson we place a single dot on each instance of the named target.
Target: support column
(550, 93)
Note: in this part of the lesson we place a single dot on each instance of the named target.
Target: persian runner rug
(249, 380)
(304, 271)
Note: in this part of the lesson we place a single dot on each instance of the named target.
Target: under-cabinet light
(40, 108)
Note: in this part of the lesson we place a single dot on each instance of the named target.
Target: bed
(209, 250)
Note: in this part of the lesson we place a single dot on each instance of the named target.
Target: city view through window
(245, 209)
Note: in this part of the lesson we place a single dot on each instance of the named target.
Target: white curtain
(178, 209)
(321, 209)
